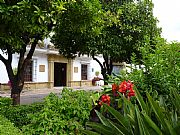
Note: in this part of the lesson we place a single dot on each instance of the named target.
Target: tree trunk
(106, 67)
(15, 98)
(105, 76)
(15, 93)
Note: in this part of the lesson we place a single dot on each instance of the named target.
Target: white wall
(95, 65)
(42, 60)
(77, 76)
(3, 73)
(92, 67)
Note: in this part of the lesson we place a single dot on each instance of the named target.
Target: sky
(168, 14)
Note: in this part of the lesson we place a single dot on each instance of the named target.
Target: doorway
(59, 74)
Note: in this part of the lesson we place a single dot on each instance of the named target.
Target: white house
(49, 69)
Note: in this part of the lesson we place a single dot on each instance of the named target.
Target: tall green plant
(161, 70)
(144, 118)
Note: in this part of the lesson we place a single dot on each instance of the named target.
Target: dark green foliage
(19, 114)
(4, 101)
(161, 72)
(7, 128)
(114, 29)
(65, 115)
(23, 24)
(76, 26)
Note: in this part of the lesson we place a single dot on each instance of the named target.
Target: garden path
(37, 95)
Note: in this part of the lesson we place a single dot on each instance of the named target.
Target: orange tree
(23, 23)
(114, 29)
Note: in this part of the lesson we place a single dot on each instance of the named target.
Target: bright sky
(168, 14)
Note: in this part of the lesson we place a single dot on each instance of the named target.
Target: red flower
(114, 89)
(131, 93)
(123, 87)
(127, 86)
(105, 99)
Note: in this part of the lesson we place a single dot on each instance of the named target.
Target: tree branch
(32, 49)
(9, 51)
(21, 58)
(30, 54)
(3, 59)
(106, 62)
(110, 66)
(97, 61)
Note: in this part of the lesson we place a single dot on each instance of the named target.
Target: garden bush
(162, 69)
(7, 128)
(160, 72)
(19, 114)
(61, 115)
(5, 101)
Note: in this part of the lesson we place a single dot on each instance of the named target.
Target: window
(28, 72)
(83, 72)
(34, 70)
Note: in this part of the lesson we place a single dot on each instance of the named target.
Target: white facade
(41, 76)
(40, 57)
(92, 67)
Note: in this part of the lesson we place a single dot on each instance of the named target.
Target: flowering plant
(104, 99)
(111, 97)
(125, 87)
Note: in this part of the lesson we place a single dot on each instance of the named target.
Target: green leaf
(170, 128)
(118, 129)
(175, 97)
(141, 101)
(152, 124)
(158, 112)
(141, 125)
(42, 17)
(88, 132)
(2, 1)
(123, 120)
(100, 128)
(103, 120)
(37, 8)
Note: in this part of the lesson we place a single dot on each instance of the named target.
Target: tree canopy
(76, 26)
(23, 23)
(115, 29)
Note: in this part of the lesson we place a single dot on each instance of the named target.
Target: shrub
(65, 115)
(19, 114)
(161, 72)
(5, 101)
(7, 128)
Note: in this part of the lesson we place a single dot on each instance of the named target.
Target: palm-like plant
(144, 118)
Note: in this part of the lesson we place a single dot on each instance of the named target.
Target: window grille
(34, 70)
(83, 72)
(28, 72)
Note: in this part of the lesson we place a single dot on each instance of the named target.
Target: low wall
(41, 85)
(80, 83)
(29, 85)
